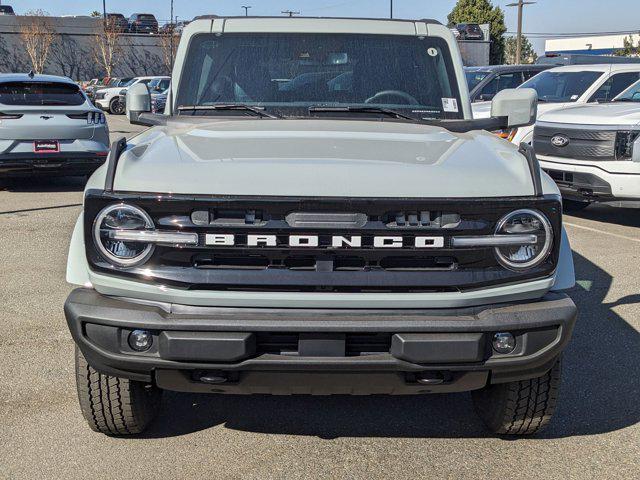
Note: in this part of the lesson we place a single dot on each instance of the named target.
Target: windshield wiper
(355, 109)
(229, 107)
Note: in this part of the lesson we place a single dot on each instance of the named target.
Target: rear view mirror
(138, 102)
(518, 106)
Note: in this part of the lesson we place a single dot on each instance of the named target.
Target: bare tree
(37, 35)
(169, 44)
(107, 46)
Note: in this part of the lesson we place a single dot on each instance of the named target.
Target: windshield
(40, 93)
(474, 78)
(556, 87)
(289, 73)
(631, 94)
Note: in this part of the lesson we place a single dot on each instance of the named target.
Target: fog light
(504, 343)
(140, 340)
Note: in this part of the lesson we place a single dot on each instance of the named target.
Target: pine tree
(482, 11)
(529, 55)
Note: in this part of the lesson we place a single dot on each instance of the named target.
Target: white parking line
(631, 239)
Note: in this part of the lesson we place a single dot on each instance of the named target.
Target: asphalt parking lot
(595, 433)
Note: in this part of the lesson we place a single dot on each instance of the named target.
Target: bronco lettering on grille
(314, 241)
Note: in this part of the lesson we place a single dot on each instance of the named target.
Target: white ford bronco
(316, 212)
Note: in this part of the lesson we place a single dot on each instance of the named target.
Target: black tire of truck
(116, 107)
(519, 408)
(112, 405)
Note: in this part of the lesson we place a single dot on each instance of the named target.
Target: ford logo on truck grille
(560, 141)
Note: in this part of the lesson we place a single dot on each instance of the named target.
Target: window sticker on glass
(575, 97)
(450, 105)
(433, 52)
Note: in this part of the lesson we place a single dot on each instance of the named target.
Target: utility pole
(391, 12)
(290, 13)
(246, 10)
(520, 5)
(104, 10)
(172, 27)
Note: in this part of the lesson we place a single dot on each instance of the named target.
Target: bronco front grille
(270, 263)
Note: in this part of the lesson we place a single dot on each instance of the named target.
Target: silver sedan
(48, 126)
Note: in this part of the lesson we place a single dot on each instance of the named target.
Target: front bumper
(319, 351)
(50, 164)
(592, 182)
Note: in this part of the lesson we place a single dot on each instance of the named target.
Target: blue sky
(545, 16)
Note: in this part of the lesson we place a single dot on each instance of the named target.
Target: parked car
(6, 10)
(49, 127)
(350, 237)
(143, 23)
(485, 82)
(119, 21)
(109, 99)
(570, 85)
(159, 101)
(469, 31)
(593, 151)
(176, 28)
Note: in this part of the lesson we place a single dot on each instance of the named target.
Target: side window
(614, 86)
(505, 80)
(529, 74)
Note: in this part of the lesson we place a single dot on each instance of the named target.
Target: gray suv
(318, 213)
(48, 126)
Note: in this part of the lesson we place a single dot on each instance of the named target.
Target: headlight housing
(113, 221)
(523, 256)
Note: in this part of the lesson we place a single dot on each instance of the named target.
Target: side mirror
(138, 102)
(519, 107)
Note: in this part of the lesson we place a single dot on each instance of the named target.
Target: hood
(321, 158)
(625, 114)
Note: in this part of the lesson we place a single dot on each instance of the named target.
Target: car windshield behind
(40, 93)
(474, 77)
(287, 74)
(631, 94)
(557, 87)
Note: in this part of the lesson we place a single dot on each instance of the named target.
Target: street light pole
(391, 12)
(104, 10)
(246, 10)
(520, 5)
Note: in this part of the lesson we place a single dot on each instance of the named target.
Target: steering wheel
(393, 93)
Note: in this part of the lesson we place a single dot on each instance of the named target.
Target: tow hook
(430, 378)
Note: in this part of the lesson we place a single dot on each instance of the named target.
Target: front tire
(519, 408)
(112, 405)
(116, 107)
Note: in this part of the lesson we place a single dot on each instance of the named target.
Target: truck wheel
(112, 405)
(573, 205)
(519, 408)
(116, 107)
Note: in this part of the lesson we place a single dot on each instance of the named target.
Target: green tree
(95, 14)
(629, 50)
(482, 11)
(529, 55)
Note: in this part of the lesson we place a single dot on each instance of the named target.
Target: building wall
(72, 53)
(596, 45)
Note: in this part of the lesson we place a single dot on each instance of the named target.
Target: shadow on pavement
(629, 217)
(43, 184)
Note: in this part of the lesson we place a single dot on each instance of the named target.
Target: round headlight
(537, 234)
(118, 218)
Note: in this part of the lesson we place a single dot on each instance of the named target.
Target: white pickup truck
(593, 151)
(568, 86)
